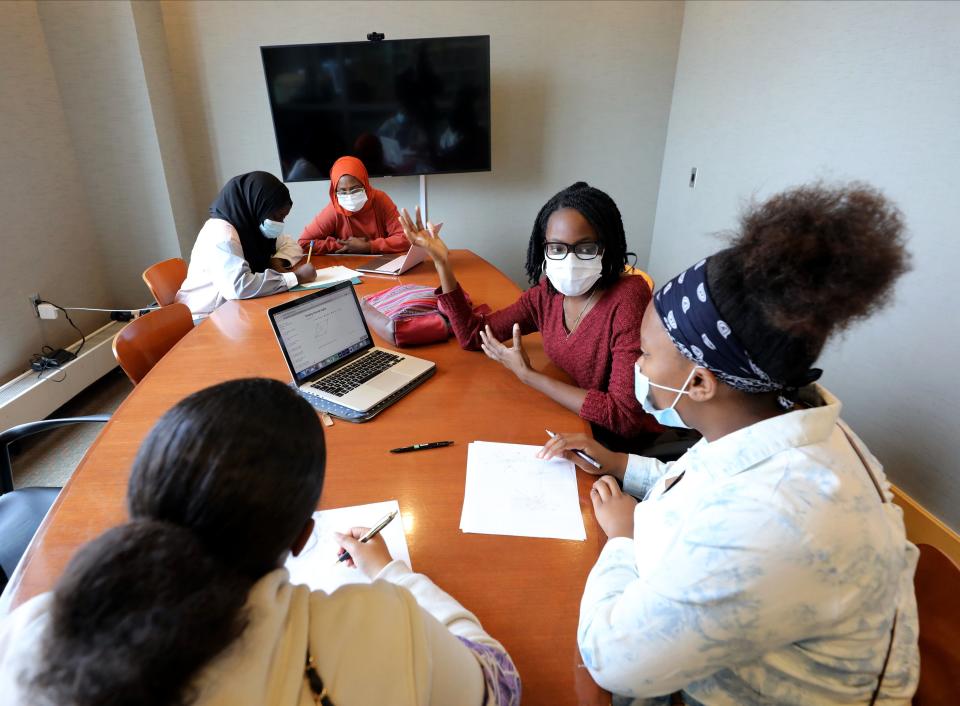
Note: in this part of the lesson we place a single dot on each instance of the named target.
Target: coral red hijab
(354, 167)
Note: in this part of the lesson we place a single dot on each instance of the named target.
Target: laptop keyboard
(351, 376)
(391, 266)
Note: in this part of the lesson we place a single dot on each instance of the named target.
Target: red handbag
(406, 315)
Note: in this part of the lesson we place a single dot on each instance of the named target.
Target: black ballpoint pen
(421, 447)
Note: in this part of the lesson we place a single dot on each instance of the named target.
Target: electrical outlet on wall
(34, 299)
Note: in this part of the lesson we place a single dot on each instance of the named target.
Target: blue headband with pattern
(699, 332)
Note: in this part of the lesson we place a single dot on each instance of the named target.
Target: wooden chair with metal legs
(164, 279)
(937, 585)
(144, 341)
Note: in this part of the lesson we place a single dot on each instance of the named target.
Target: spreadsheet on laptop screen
(322, 331)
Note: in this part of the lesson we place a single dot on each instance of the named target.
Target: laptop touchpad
(389, 381)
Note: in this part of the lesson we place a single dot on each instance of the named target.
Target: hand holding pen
(586, 453)
(364, 547)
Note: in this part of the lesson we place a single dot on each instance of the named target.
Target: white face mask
(669, 417)
(352, 202)
(572, 276)
(271, 229)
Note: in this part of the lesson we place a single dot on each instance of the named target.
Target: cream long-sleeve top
(769, 573)
(400, 640)
(219, 272)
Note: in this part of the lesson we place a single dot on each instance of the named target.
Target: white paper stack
(510, 491)
(316, 566)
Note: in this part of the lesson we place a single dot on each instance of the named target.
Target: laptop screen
(319, 330)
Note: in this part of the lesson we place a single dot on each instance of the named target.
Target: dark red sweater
(598, 356)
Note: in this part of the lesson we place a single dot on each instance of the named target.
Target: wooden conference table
(525, 591)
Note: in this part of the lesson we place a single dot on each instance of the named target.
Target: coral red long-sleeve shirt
(378, 222)
(598, 356)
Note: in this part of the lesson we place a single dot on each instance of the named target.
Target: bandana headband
(699, 332)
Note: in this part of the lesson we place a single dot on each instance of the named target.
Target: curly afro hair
(804, 265)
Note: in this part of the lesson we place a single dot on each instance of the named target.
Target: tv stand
(423, 198)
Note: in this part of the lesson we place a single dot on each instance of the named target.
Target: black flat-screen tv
(404, 106)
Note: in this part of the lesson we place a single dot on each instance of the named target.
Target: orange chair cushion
(164, 279)
(143, 342)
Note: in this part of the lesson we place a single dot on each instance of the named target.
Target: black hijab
(244, 202)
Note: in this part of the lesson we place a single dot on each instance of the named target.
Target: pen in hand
(586, 457)
(374, 531)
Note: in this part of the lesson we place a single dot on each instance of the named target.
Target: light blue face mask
(271, 229)
(669, 417)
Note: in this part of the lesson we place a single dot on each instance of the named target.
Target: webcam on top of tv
(375, 37)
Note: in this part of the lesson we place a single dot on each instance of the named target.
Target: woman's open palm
(427, 238)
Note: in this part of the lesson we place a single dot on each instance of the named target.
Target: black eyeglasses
(583, 251)
(352, 191)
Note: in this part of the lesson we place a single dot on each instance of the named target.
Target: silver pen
(585, 456)
(373, 532)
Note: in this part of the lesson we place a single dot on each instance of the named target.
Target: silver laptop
(395, 264)
(330, 353)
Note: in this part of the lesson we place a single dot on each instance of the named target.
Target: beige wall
(154, 53)
(95, 51)
(772, 94)
(94, 180)
(580, 91)
(147, 108)
(50, 245)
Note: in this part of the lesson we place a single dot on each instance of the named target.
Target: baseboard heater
(29, 397)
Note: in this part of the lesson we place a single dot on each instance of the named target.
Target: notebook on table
(316, 565)
(329, 276)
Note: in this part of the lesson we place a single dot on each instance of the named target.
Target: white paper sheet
(316, 565)
(510, 491)
(329, 276)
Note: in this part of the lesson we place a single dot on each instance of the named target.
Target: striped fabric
(404, 301)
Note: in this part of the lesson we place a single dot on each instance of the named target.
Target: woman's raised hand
(427, 238)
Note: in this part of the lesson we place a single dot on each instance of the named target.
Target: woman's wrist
(528, 376)
(448, 281)
(617, 466)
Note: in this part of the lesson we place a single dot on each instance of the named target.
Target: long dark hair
(603, 216)
(216, 496)
(803, 265)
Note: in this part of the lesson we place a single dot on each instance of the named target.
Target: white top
(373, 644)
(769, 574)
(218, 271)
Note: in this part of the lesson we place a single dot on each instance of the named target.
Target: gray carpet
(48, 459)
